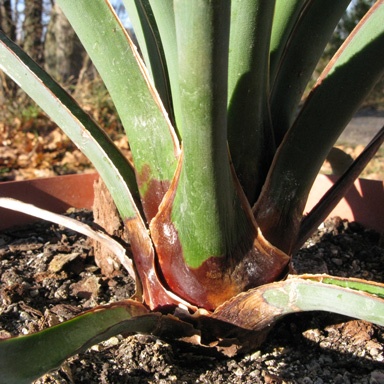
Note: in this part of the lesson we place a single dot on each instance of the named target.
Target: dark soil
(48, 275)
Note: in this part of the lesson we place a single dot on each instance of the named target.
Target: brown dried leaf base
(107, 217)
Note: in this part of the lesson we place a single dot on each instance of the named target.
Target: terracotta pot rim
(363, 203)
(56, 194)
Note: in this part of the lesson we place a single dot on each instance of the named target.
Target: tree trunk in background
(63, 52)
(7, 25)
(33, 29)
(6, 22)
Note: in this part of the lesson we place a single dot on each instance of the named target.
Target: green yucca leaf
(250, 134)
(152, 139)
(299, 59)
(205, 224)
(110, 163)
(285, 17)
(261, 307)
(337, 95)
(370, 287)
(25, 358)
(147, 34)
(165, 19)
(92, 140)
(203, 71)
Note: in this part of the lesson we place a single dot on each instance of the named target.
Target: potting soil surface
(48, 275)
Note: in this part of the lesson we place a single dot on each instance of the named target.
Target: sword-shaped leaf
(81, 129)
(152, 139)
(338, 93)
(112, 166)
(204, 229)
(260, 308)
(165, 20)
(300, 57)
(151, 47)
(21, 357)
(250, 134)
(284, 19)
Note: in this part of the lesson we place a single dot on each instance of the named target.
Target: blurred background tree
(30, 144)
(63, 53)
(43, 31)
(8, 26)
(32, 42)
(6, 19)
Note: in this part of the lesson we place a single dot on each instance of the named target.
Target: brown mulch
(28, 153)
(33, 147)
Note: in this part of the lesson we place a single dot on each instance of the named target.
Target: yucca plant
(223, 163)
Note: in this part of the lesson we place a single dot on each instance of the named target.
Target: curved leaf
(147, 34)
(337, 95)
(165, 19)
(301, 54)
(370, 287)
(81, 129)
(21, 357)
(114, 246)
(250, 134)
(262, 307)
(329, 201)
(133, 93)
(111, 164)
(284, 19)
